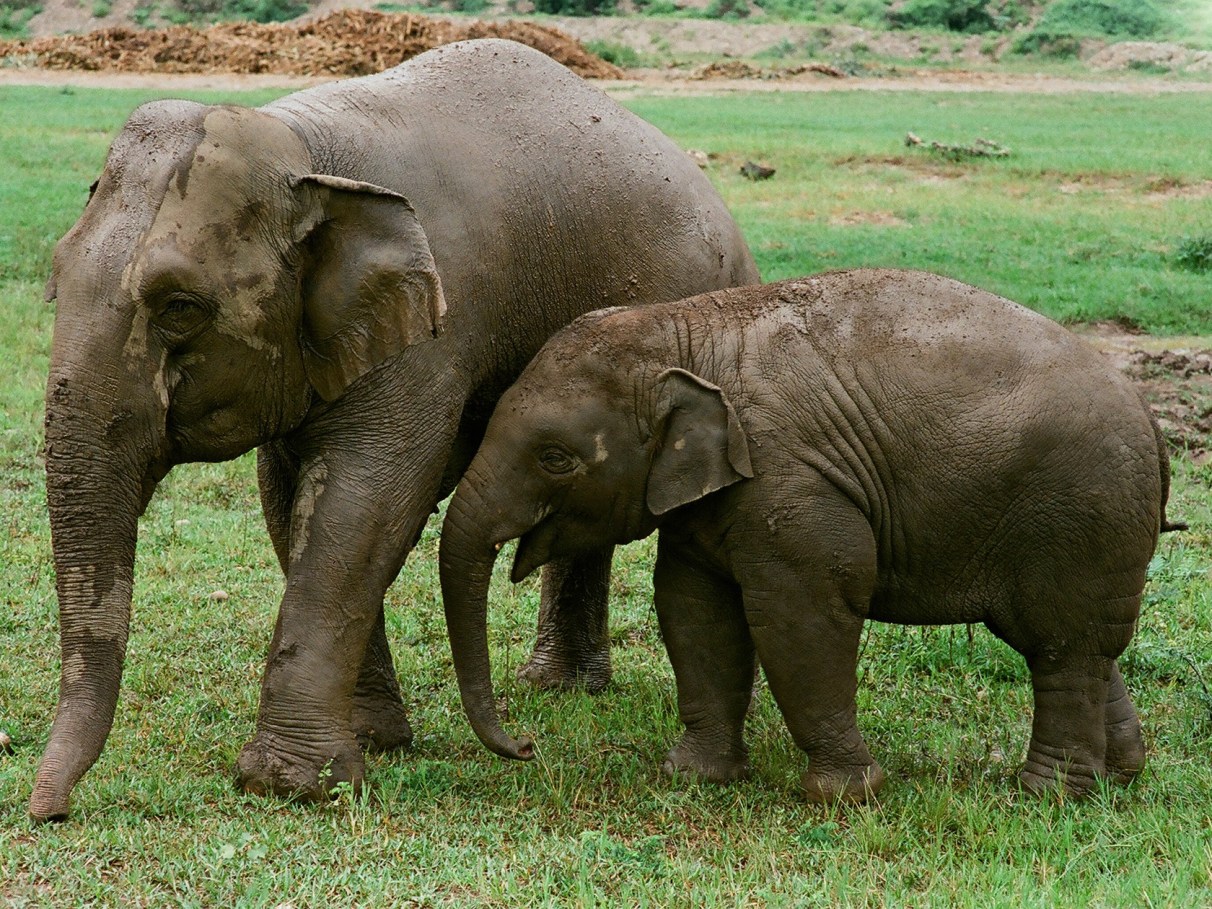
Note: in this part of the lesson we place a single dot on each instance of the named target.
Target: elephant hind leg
(378, 718)
(572, 648)
(1125, 745)
(1069, 731)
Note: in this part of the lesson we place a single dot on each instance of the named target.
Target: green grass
(593, 822)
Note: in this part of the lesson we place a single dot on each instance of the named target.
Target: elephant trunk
(467, 556)
(99, 477)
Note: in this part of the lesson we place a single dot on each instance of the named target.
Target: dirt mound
(1152, 55)
(345, 43)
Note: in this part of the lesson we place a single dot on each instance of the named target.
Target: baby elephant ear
(370, 287)
(703, 446)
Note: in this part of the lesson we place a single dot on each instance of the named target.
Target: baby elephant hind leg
(1068, 734)
(1082, 711)
(1125, 746)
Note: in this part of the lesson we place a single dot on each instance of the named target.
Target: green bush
(954, 15)
(15, 16)
(1060, 29)
(727, 9)
(612, 52)
(212, 10)
(657, 7)
(575, 7)
(1194, 253)
(966, 16)
(1110, 18)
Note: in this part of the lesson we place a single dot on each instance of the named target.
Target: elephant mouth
(534, 550)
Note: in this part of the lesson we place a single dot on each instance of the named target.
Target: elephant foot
(852, 785)
(266, 767)
(710, 765)
(557, 669)
(1045, 777)
(380, 725)
(1125, 757)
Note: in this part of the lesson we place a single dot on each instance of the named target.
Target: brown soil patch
(1178, 385)
(872, 218)
(1175, 376)
(346, 43)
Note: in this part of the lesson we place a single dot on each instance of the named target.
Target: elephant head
(214, 290)
(582, 452)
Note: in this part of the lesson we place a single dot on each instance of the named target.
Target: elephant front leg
(379, 720)
(703, 626)
(805, 603)
(358, 509)
(810, 663)
(572, 646)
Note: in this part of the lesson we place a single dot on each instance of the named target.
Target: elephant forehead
(220, 229)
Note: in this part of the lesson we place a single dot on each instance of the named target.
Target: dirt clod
(345, 43)
(755, 171)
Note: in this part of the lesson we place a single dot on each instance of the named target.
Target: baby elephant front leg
(810, 665)
(703, 626)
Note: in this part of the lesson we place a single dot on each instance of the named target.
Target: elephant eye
(557, 461)
(180, 316)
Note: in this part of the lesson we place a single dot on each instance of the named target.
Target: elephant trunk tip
(524, 750)
(521, 749)
(48, 805)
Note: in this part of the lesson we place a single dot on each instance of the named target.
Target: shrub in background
(1194, 253)
(954, 15)
(575, 7)
(15, 16)
(966, 16)
(1061, 28)
(727, 9)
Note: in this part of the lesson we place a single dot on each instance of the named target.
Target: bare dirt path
(654, 82)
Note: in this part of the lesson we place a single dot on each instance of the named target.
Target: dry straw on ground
(345, 43)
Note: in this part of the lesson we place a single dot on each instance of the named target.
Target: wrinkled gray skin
(881, 445)
(346, 278)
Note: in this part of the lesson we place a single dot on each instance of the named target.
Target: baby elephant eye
(557, 461)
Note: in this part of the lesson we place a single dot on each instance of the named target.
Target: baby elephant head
(576, 457)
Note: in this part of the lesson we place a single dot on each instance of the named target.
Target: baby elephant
(883, 445)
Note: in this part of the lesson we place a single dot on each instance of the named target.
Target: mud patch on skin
(311, 487)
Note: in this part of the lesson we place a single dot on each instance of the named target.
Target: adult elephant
(347, 278)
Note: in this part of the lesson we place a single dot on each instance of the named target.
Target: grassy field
(1084, 220)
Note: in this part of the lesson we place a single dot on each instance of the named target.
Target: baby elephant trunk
(467, 555)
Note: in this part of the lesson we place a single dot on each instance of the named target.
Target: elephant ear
(703, 445)
(370, 287)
